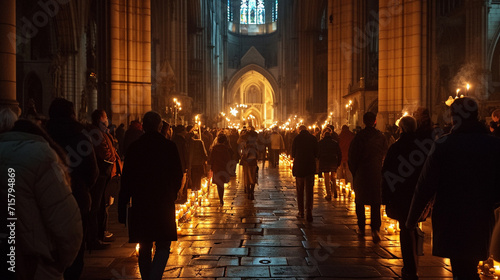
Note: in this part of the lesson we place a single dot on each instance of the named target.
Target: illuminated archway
(255, 87)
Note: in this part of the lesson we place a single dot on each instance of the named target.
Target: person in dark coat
(68, 133)
(400, 173)
(249, 156)
(461, 171)
(304, 154)
(329, 156)
(133, 133)
(366, 153)
(197, 160)
(151, 177)
(219, 160)
(345, 139)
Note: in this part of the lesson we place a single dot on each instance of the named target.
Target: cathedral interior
(258, 62)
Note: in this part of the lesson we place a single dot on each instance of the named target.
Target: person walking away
(249, 157)
(48, 226)
(277, 145)
(345, 139)
(80, 158)
(133, 133)
(366, 154)
(219, 160)
(462, 218)
(398, 185)
(151, 178)
(197, 160)
(329, 156)
(304, 154)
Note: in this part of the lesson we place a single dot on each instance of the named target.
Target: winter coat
(366, 154)
(131, 135)
(151, 176)
(304, 153)
(277, 142)
(400, 172)
(345, 139)
(197, 153)
(219, 160)
(462, 172)
(81, 159)
(48, 222)
(182, 147)
(329, 154)
(249, 153)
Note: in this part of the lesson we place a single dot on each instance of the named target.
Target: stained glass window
(261, 12)
(252, 12)
(229, 11)
(275, 11)
(244, 12)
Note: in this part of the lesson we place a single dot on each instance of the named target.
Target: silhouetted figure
(329, 156)
(304, 154)
(461, 171)
(366, 153)
(151, 177)
(219, 159)
(68, 133)
(399, 176)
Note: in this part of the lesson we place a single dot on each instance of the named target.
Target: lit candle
(468, 86)
(458, 90)
(497, 270)
(390, 229)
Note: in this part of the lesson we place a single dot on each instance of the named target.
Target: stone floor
(262, 239)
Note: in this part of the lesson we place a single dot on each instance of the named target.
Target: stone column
(130, 59)
(8, 56)
(342, 47)
(402, 58)
(476, 45)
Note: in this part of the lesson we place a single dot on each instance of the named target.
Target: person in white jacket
(43, 213)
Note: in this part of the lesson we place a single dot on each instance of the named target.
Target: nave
(263, 239)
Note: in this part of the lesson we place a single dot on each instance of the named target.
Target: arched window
(274, 11)
(244, 12)
(252, 12)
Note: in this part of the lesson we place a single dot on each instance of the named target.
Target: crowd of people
(70, 174)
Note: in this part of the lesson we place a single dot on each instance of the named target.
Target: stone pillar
(477, 45)
(342, 47)
(402, 58)
(8, 56)
(306, 70)
(130, 59)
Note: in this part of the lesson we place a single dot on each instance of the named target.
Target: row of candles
(194, 199)
(489, 268)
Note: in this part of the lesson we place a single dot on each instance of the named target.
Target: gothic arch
(233, 81)
(493, 46)
(256, 87)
